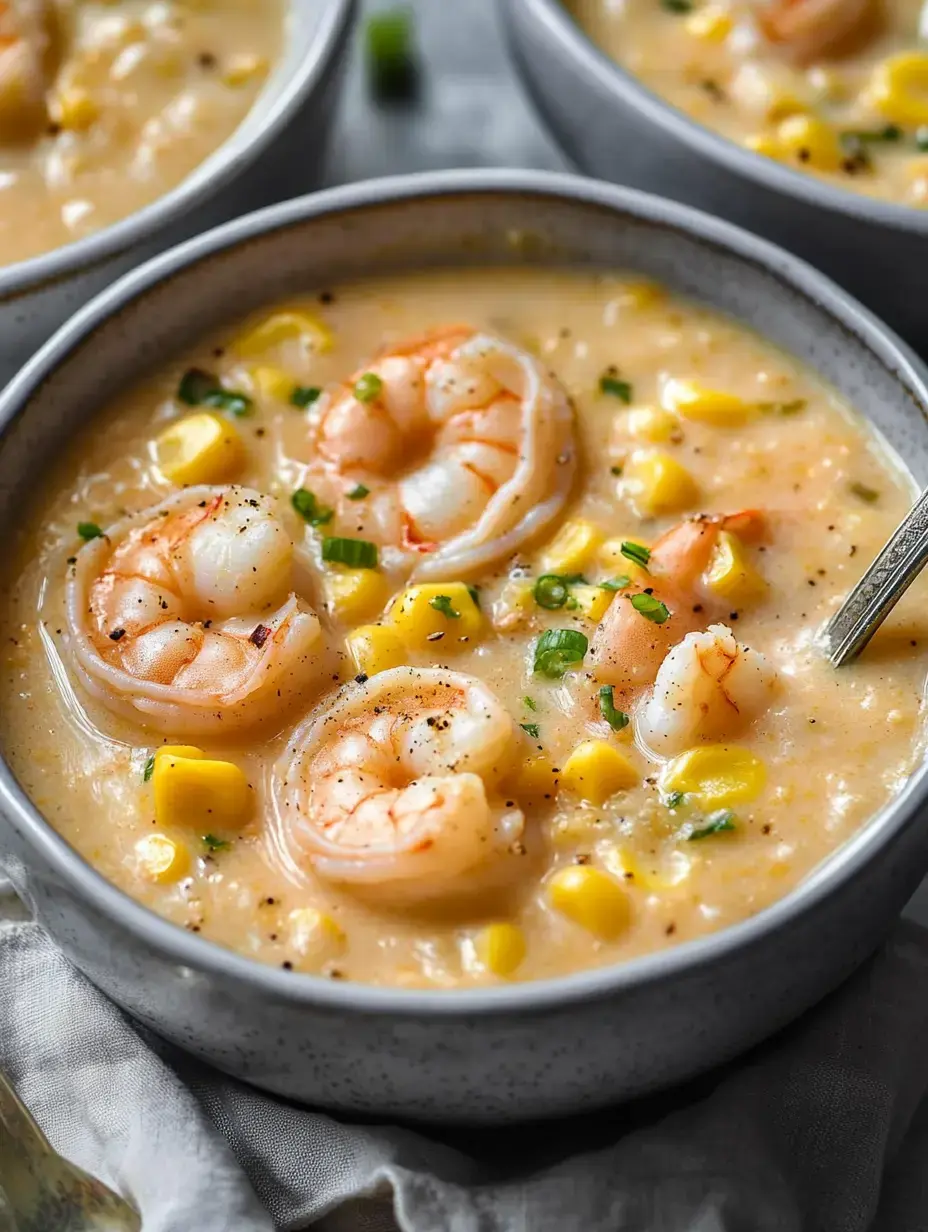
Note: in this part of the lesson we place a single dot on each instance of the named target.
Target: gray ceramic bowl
(274, 153)
(612, 126)
(524, 1050)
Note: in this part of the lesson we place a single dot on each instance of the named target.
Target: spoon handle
(884, 583)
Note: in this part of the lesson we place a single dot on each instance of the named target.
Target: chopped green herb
(392, 68)
(309, 509)
(854, 137)
(474, 593)
(531, 729)
(358, 492)
(89, 530)
(868, 495)
(715, 823)
(200, 388)
(557, 650)
(674, 800)
(615, 470)
(617, 719)
(529, 703)
(615, 388)
(616, 583)
(356, 552)
(649, 607)
(367, 387)
(442, 603)
(149, 769)
(212, 843)
(921, 137)
(637, 553)
(677, 6)
(305, 395)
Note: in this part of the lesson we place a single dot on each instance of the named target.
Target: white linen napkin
(823, 1130)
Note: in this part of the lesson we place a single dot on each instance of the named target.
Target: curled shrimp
(808, 29)
(709, 687)
(29, 50)
(180, 615)
(466, 446)
(391, 789)
(627, 649)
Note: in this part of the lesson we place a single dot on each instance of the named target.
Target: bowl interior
(508, 219)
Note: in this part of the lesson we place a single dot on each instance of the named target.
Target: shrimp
(709, 687)
(29, 54)
(391, 789)
(179, 616)
(627, 649)
(466, 448)
(809, 29)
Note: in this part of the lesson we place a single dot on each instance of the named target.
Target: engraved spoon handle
(884, 583)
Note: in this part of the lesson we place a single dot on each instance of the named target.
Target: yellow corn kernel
(611, 558)
(596, 770)
(711, 24)
(572, 548)
(201, 448)
(592, 601)
(659, 484)
(764, 143)
(709, 406)
(899, 88)
(535, 779)
(354, 594)
(515, 605)
(420, 612)
(375, 648)
(716, 775)
(811, 141)
(243, 68)
(190, 751)
(282, 327)
(590, 898)
(640, 294)
(652, 423)
(315, 935)
(274, 383)
(74, 108)
(769, 91)
(652, 874)
(500, 948)
(193, 791)
(161, 858)
(730, 573)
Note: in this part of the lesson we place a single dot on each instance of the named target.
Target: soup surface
(455, 685)
(104, 107)
(837, 89)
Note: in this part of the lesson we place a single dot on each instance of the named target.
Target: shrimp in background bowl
(29, 54)
(464, 441)
(182, 617)
(392, 789)
(805, 30)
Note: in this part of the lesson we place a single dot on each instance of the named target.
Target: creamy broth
(105, 107)
(674, 851)
(840, 96)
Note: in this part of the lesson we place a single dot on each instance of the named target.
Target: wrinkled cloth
(824, 1129)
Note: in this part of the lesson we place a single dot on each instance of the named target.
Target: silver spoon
(879, 590)
(40, 1190)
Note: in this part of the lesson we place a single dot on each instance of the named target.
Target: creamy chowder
(458, 628)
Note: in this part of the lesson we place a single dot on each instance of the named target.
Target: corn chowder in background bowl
(435, 632)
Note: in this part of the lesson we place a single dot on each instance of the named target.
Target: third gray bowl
(612, 126)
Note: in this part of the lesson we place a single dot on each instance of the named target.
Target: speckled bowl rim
(198, 953)
(204, 181)
(589, 60)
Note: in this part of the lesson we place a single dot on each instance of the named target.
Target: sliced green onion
(617, 719)
(212, 843)
(550, 591)
(358, 553)
(677, 6)
(616, 583)
(200, 388)
(557, 650)
(715, 823)
(358, 492)
(888, 133)
(674, 799)
(652, 609)
(309, 509)
(615, 388)
(89, 530)
(474, 594)
(921, 137)
(531, 729)
(442, 603)
(637, 553)
(305, 395)
(367, 387)
(149, 769)
(529, 703)
(392, 68)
